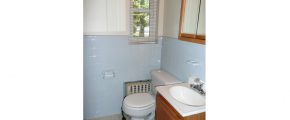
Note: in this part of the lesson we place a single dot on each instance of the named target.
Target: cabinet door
(192, 21)
(105, 17)
(164, 111)
(193, 117)
(190, 16)
(201, 21)
(202, 116)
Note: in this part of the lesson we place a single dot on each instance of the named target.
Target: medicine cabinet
(192, 21)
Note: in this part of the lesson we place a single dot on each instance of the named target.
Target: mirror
(192, 21)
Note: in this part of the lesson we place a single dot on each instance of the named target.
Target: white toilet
(141, 106)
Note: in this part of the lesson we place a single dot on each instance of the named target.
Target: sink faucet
(197, 86)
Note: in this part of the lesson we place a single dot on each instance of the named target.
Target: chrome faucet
(197, 86)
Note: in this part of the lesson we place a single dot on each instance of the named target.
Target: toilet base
(137, 119)
(151, 116)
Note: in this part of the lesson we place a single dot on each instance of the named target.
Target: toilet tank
(160, 77)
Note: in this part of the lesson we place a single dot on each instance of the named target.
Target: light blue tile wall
(175, 53)
(104, 97)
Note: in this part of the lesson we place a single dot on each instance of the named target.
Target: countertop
(183, 109)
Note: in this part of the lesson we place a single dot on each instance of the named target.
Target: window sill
(106, 33)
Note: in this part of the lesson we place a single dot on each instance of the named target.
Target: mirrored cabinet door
(190, 16)
(201, 21)
(192, 21)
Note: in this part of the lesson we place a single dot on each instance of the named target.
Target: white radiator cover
(138, 87)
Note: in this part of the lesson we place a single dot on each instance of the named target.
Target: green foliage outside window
(140, 19)
(141, 4)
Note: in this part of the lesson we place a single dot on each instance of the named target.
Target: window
(143, 21)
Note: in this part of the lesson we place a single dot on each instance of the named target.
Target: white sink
(187, 96)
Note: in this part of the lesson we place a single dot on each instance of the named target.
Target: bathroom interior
(79, 59)
(144, 59)
(82, 59)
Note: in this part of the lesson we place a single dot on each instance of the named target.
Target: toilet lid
(139, 100)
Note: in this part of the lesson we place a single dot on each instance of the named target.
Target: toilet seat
(140, 108)
(139, 104)
(139, 100)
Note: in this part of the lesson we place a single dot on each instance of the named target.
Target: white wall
(110, 17)
(171, 18)
(160, 17)
(105, 17)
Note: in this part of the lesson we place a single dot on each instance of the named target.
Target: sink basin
(187, 96)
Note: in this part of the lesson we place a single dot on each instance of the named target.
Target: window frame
(153, 11)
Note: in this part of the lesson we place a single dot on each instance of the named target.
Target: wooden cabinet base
(164, 111)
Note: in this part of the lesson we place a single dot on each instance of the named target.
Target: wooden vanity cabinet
(164, 111)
